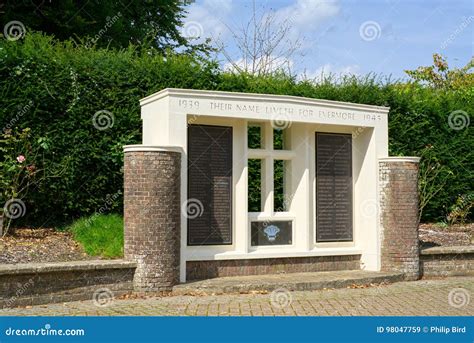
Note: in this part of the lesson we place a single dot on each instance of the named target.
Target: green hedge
(67, 85)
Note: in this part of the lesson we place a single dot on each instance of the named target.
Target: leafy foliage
(433, 177)
(461, 208)
(439, 75)
(18, 166)
(21, 169)
(106, 23)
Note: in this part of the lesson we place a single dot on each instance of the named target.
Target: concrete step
(291, 282)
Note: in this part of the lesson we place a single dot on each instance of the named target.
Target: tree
(439, 75)
(264, 45)
(104, 23)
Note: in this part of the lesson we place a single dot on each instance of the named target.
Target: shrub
(461, 208)
(21, 169)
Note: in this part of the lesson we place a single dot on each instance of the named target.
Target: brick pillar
(152, 218)
(399, 215)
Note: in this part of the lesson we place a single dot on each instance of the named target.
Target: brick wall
(447, 261)
(198, 270)
(152, 217)
(42, 283)
(399, 216)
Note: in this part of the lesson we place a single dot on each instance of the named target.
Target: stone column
(398, 177)
(152, 217)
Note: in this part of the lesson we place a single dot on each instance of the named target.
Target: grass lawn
(100, 235)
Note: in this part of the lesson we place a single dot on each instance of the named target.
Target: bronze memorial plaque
(333, 187)
(209, 185)
(275, 232)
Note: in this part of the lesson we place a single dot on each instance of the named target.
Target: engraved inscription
(372, 117)
(297, 111)
(344, 115)
(188, 104)
(333, 187)
(221, 106)
(305, 112)
(210, 183)
(279, 110)
(248, 108)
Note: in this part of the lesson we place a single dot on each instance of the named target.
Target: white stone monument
(331, 217)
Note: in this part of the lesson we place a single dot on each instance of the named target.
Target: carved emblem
(271, 232)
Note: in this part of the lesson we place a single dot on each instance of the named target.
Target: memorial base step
(290, 282)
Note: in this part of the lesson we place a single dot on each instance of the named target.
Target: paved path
(451, 296)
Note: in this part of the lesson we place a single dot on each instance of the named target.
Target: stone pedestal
(152, 217)
(399, 215)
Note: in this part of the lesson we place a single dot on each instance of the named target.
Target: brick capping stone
(152, 215)
(447, 250)
(48, 267)
(398, 186)
(42, 283)
(400, 159)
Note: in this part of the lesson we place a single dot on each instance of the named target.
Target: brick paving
(417, 298)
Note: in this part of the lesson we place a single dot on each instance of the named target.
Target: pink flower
(21, 159)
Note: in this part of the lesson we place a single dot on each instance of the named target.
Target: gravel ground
(40, 245)
(435, 235)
